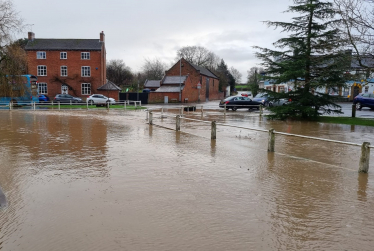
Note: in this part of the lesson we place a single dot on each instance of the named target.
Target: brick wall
(158, 97)
(74, 64)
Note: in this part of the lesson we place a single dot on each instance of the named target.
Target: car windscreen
(261, 95)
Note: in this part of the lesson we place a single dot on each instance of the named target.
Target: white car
(100, 99)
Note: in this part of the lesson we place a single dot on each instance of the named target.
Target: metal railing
(365, 146)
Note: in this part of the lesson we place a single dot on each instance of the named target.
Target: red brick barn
(185, 78)
(73, 66)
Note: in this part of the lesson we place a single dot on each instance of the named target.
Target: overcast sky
(146, 29)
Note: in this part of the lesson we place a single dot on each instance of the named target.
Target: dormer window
(41, 55)
(85, 55)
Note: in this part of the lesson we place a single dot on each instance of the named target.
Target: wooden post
(178, 123)
(353, 111)
(150, 118)
(58, 105)
(202, 111)
(214, 130)
(224, 111)
(271, 140)
(364, 159)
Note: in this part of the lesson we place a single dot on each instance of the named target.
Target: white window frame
(86, 88)
(40, 71)
(42, 88)
(62, 71)
(63, 55)
(85, 55)
(41, 55)
(86, 71)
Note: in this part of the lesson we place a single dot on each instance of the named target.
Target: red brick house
(185, 78)
(73, 66)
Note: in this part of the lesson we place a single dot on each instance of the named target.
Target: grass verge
(129, 107)
(346, 120)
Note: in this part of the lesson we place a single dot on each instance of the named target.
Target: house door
(207, 90)
(64, 89)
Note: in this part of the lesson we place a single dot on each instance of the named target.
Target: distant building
(71, 66)
(193, 82)
(152, 85)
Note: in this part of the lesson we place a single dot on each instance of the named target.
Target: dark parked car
(238, 102)
(43, 98)
(66, 98)
(364, 100)
(265, 100)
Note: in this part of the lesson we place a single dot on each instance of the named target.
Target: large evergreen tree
(311, 57)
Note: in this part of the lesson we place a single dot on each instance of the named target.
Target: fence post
(364, 159)
(261, 110)
(150, 118)
(162, 112)
(125, 104)
(224, 111)
(181, 111)
(178, 123)
(214, 130)
(146, 116)
(107, 106)
(10, 105)
(34, 106)
(70, 102)
(87, 104)
(271, 140)
(140, 103)
(353, 111)
(58, 105)
(135, 104)
(202, 111)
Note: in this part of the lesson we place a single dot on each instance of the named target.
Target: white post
(135, 104)
(146, 118)
(224, 111)
(58, 105)
(87, 104)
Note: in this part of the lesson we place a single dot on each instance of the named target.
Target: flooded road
(97, 180)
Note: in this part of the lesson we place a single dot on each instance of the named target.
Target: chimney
(31, 36)
(102, 37)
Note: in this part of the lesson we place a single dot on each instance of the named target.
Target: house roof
(204, 71)
(63, 44)
(174, 80)
(152, 83)
(367, 61)
(169, 88)
(109, 86)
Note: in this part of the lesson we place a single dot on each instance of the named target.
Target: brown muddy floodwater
(97, 180)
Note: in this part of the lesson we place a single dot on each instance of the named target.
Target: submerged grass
(346, 120)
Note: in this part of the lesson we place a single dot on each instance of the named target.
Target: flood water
(98, 180)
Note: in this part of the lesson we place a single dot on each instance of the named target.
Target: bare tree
(199, 56)
(10, 22)
(154, 69)
(119, 73)
(358, 20)
(12, 55)
(236, 75)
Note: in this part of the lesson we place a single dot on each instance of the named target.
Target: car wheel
(234, 108)
(91, 102)
(358, 106)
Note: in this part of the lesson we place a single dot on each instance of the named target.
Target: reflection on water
(95, 180)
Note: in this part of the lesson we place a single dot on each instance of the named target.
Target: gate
(143, 96)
